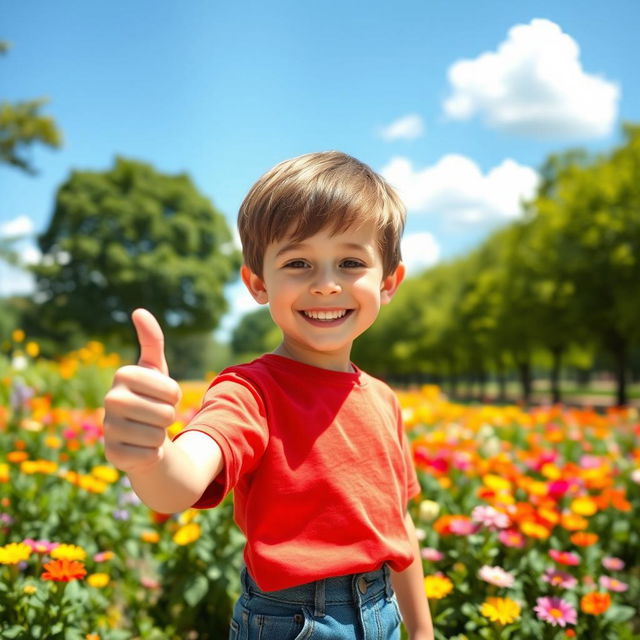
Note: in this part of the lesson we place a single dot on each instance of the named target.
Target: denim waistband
(352, 588)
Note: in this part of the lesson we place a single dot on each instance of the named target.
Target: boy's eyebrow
(296, 246)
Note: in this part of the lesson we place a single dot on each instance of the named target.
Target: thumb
(151, 341)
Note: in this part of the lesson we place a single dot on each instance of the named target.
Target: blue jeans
(355, 607)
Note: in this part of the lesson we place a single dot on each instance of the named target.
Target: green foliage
(21, 126)
(564, 277)
(129, 237)
(254, 335)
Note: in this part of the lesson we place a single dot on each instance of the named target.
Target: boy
(313, 447)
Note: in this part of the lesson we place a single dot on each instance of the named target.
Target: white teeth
(325, 315)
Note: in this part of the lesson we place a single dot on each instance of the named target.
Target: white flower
(496, 576)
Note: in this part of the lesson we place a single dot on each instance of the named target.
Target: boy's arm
(168, 476)
(409, 588)
(187, 468)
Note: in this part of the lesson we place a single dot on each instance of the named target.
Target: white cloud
(14, 281)
(455, 187)
(534, 85)
(20, 226)
(405, 128)
(419, 251)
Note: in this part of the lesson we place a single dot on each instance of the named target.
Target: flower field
(529, 520)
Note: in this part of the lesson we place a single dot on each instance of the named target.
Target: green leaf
(196, 589)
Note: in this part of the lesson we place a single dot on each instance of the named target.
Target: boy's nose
(326, 284)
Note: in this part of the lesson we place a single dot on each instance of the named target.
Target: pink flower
(558, 578)
(611, 584)
(558, 488)
(564, 557)
(462, 527)
(555, 611)
(41, 546)
(496, 576)
(432, 555)
(590, 462)
(511, 538)
(612, 564)
(490, 517)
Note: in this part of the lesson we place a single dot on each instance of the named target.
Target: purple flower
(20, 394)
(121, 514)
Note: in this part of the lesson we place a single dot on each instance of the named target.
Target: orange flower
(17, 456)
(595, 603)
(64, 570)
(584, 538)
(573, 522)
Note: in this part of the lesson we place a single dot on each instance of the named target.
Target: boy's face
(323, 292)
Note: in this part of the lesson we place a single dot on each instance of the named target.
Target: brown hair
(329, 189)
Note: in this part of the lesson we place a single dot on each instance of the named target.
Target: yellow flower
(29, 589)
(437, 586)
(68, 552)
(14, 553)
(584, 506)
(98, 580)
(4, 472)
(187, 516)
(32, 349)
(53, 442)
(497, 483)
(17, 335)
(105, 473)
(187, 534)
(500, 610)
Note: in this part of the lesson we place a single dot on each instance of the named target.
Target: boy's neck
(329, 360)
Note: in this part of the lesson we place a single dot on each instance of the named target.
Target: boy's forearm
(186, 469)
(409, 588)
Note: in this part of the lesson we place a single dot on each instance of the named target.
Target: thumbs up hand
(141, 403)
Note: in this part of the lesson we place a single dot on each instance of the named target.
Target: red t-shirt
(320, 466)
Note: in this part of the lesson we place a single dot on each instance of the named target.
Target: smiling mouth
(326, 316)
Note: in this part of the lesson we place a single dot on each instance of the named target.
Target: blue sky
(456, 103)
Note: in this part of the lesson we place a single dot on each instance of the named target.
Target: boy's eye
(351, 264)
(296, 264)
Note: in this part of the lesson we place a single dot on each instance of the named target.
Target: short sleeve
(233, 414)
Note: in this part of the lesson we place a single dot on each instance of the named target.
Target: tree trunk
(502, 381)
(524, 369)
(620, 360)
(556, 353)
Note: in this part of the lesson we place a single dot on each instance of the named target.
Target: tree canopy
(21, 126)
(563, 279)
(127, 237)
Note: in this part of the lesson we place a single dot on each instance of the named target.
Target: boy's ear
(391, 283)
(255, 285)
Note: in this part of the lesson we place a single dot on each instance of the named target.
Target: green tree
(128, 237)
(254, 335)
(21, 126)
(591, 217)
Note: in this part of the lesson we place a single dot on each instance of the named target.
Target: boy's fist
(141, 402)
